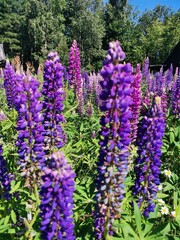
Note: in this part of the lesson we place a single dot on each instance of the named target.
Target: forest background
(31, 28)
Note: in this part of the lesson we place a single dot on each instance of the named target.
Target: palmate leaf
(147, 229)
(162, 229)
(4, 228)
(128, 230)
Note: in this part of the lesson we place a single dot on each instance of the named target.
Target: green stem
(30, 225)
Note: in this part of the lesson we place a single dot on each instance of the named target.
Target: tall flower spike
(145, 72)
(169, 77)
(175, 97)
(10, 84)
(85, 78)
(76, 81)
(5, 178)
(53, 103)
(30, 140)
(57, 199)
(136, 97)
(159, 83)
(114, 139)
(149, 142)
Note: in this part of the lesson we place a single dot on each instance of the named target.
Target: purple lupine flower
(164, 103)
(92, 78)
(85, 78)
(169, 77)
(57, 199)
(66, 75)
(136, 97)
(30, 140)
(89, 109)
(53, 103)
(146, 102)
(145, 71)
(158, 83)
(175, 97)
(151, 84)
(97, 88)
(114, 139)
(75, 75)
(10, 84)
(147, 169)
(5, 178)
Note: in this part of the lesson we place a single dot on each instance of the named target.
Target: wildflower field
(90, 155)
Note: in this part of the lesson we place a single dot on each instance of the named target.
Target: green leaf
(4, 227)
(162, 195)
(171, 136)
(82, 192)
(168, 187)
(81, 127)
(15, 188)
(147, 229)
(162, 229)
(128, 229)
(7, 126)
(6, 220)
(137, 214)
(11, 231)
(154, 214)
(13, 216)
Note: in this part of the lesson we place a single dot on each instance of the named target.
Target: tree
(43, 29)
(159, 33)
(10, 23)
(84, 23)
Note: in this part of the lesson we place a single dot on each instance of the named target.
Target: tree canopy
(31, 28)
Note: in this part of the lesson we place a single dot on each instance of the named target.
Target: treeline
(31, 28)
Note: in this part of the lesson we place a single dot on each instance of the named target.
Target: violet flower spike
(175, 97)
(136, 97)
(147, 169)
(57, 199)
(76, 81)
(30, 140)
(53, 106)
(114, 139)
(10, 84)
(145, 71)
(97, 88)
(169, 78)
(5, 178)
(159, 82)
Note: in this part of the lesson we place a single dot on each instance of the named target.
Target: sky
(150, 4)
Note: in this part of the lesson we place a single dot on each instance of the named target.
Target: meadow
(87, 155)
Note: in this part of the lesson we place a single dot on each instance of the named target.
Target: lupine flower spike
(57, 199)
(30, 138)
(53, 103)
(10, 84)
(76, 80)
(114, 139)
(149, 141)
(175, 97)
(136, 97)
(5, 178)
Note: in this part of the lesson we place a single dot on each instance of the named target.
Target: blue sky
(150, 4)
